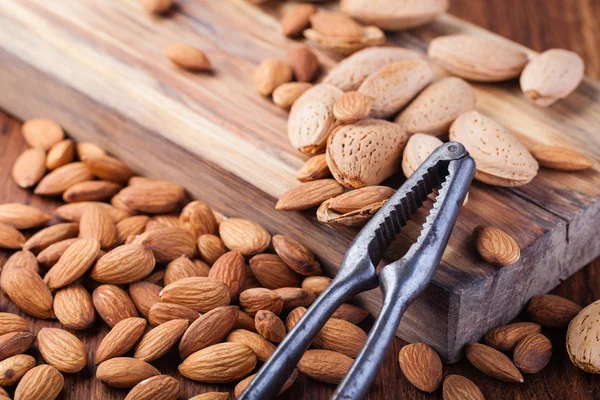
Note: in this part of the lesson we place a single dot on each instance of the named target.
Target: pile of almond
(161, 271)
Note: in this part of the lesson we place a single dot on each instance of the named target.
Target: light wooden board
(98, 68)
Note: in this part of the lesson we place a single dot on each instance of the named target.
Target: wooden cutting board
(98, 68)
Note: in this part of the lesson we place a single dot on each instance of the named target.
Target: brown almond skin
(29, 168)
(73, 211)
(506, 337)
(61, 349)
(211, 247)
(244, 321)
(422, 366)
(219, 363)
(340, 336)
(207, 330)
(551, 311)
(27, 290)
(153, 197)
(532, 353)
(131, 226)
(91, 191)
(15, 343)
(10, 238)
(96, 223)
(113, 304)
(199, 219)
(270, 74)
(124, 264)
(296, 256)
(294, 297)
(50, 235)
(492, 362)
(285, 95)
(561, 158)
(245, 236)
(169, 243)
(144, 295)
(62, 153)
(495, 246)
(211, 396)
(74, 308)
(60, 179)
(261, 347)
(124, 372)
(161, 387)
(42, 133)
(187, 57)
(308, 195)
(352, 106)
(297, 19)
(121, 338)
(199, 294)
(293, 317)
(73, 263)
(163, 312)
(325, 365)
(269, 326)
(350, 313)
(256, 299)
(41, 382)
(182, 267)
(22, 216)
(304, 63)
(230, 269)
(273, 273)
(315, 284)
(160, 339)
(457, 387)
(108, 168)
(22, 258)
(242, 385)
(51, 254)
(13, 368)
(11, 323)
(157, 6)
(313, 169)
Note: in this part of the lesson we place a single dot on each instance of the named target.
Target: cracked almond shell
(372, 36)
(354, 208)
(419, 147)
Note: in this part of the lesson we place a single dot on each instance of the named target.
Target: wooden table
(539, 24)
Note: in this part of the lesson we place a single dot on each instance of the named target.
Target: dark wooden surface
(539, 24)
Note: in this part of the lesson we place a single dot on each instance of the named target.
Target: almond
(61, 349)
(394, 85)
(353, 70)
(96, 223)
(50, 235)
(506, 337)
(501, 159)
(551, 311)
(211, 396)
(91, 191)
(269, 326)
(325, 365)
(207, 330)
(199, 294)
(153, 197)
(477, 58)
(493, 363)
(121, 338)
(219, 363)
(27, 290)
(74, 211)
(131, 226)
(199, 219)
(582, 339)
(532, 353)
(161, 387)
(434, 110)
(350, 313)
(22, 258)
(168, 220)
(88, 149)
(11, 323)
(108, 168)
(561, 158)
(313, 169)
(457, 387)
(315, 284)
(250, 280)
(159, 340)
(270, 74)
(42, 133)
(327, 215)
(60, 179)
(157, 6)
(41, 382)
(62, 153)
(113, 304)
(286, 94)
(169, 243)
(73, 263)
(155, 277)
(422, 366)
(495, 246)
(29, 167)
(360, 198)
(230, 269)
(365, 153)
(15, 343)
(308, 195)
(182, 267)
(297, 19)
(293, 317)
(245, 236)
(211, 247)
(338, 25)
(304, 63)
(261, 347)
(144, 296)
(187, 57)
(419, 147)
(51, 254)
(394, 15)
(10, 238)
(311, 118)
(294, 297)
(352, 106)
(162, 312)
(244, 321)
(124, 372)
(13, 368)
(242, 385)
(552, 76)
(340, 336)
(117, 202)
(4, 394)
(22, 216)
(74, 308)
(124, 264)
(256, 299)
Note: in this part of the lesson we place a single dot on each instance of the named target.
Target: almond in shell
(422, 366)
(311, 118)
(121, 338)
(582, 339)
(325, 365)
(552, 76)
(273, 273)
(13, 368)
(124, 372)
(22, 216)
(308, 195)
(161, 387)
(434, 110)
(477, 58)
(62, 153)
(334, 24)
(169, 243)
(113, 304)
(419, 147)
(160, 339)
(501, 159)
(286, 94)
(73, 263)
(10, 238)
(74, 308)
(394, 15)
(60, 179)
(50, 235)
(219, 363)
(29, 167)
(28, 291)
(345, 45)
(153, 197)
(41, 382)
(42, 133)
(61, 349)
(245, 236)
(365, 153)
(187, 57)
(394, 85)
(199, 294)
